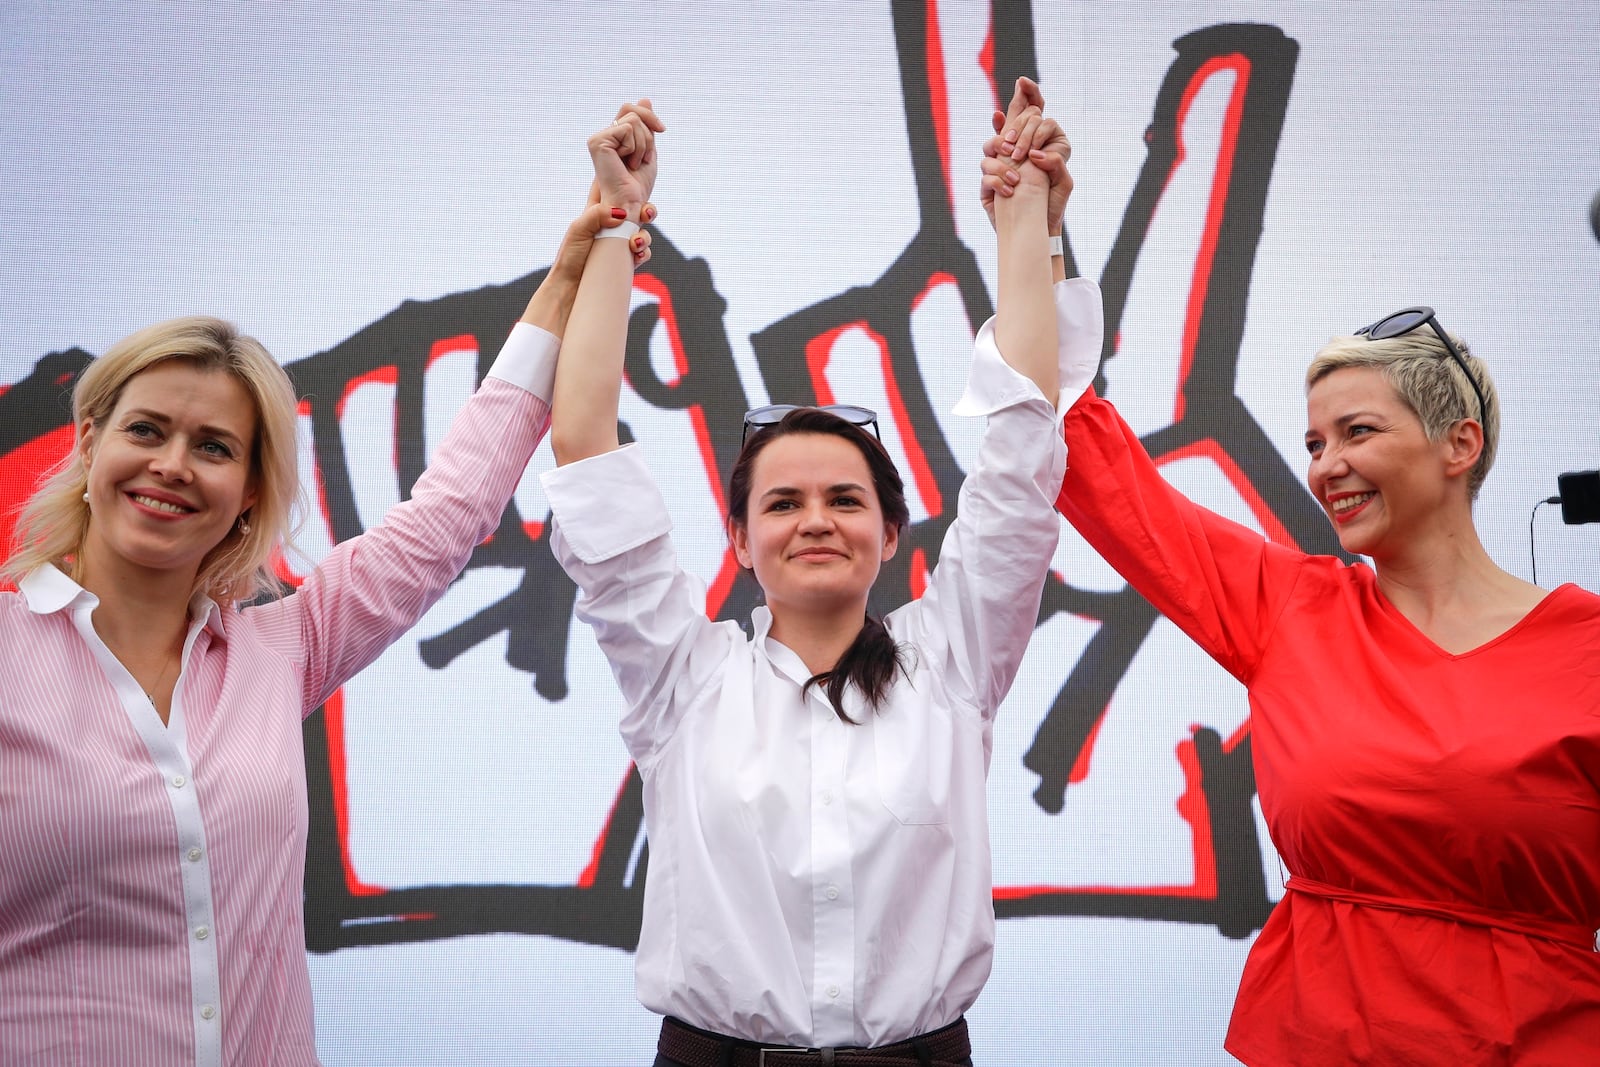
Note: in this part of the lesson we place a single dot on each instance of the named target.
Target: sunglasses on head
(763, 417)
(1403, 322)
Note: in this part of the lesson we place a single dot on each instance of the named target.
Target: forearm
(589, 375)
(1025, 319)
(551, 305)
(372, 588)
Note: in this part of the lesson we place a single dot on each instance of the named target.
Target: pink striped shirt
(151, 875)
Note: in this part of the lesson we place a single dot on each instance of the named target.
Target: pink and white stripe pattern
(151, 875)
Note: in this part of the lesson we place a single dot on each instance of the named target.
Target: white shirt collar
(47, 591)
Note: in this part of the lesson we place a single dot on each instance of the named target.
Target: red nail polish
(618, 213)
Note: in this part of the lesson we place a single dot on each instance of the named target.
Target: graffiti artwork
(1122, 787)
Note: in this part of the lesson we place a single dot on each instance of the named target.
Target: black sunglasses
(1403, 322)
(763, 417)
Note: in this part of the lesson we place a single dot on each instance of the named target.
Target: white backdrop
(304, 169)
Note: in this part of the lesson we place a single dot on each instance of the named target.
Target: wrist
(621, 231)
(631, 210)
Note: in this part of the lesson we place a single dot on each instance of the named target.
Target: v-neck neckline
(1389, 608)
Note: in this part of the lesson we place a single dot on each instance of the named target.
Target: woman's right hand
(624, 156)
(578, 241)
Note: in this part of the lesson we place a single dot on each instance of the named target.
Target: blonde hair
(1419, 368)
(52, 525)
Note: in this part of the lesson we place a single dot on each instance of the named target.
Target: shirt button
(194, 855)
(827, 796)
(833, 892)
(178, 781)
(833, 991)
(202, 932)
(208, 1012)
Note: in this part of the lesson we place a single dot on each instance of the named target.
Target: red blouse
(1440, 813)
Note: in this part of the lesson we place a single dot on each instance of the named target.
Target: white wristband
(628, 229)
(1055, 245)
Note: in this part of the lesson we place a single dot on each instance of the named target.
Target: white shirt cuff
(584, 499)
(992, 384)
(528, 360)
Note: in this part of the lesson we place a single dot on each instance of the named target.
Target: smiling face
(170, 472)
(1373, 468)
(814, 533)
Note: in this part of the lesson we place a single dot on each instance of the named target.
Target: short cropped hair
(1420, 370)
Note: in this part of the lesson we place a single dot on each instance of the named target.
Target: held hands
(1028, 149)
(624, 156)
(580, 236)
(625, 171)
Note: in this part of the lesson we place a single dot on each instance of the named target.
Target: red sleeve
(1221, 583)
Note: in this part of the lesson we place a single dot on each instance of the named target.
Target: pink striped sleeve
(371, 589)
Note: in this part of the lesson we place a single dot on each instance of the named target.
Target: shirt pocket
(912, 752)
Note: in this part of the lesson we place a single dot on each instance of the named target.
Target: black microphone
(1580, 492)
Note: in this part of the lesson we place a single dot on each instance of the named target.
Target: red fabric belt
(945, 1047)
(1566, 933)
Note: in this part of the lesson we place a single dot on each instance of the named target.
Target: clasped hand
(1028, 149)
(624, 156)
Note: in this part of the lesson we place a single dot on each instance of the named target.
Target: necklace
(150, 696)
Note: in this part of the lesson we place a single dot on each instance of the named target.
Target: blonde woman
(152, 783)
(1425, 725)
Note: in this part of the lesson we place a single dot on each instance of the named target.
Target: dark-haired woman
(814, 795)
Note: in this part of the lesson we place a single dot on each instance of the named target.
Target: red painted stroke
(939, 98)
(1216, 208)
(333, 719)
(1209, 449)
(722, 585)
(586, 878)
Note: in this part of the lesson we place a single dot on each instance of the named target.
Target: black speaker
(1580, 496)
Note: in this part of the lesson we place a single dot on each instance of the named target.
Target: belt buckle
(825, 1055)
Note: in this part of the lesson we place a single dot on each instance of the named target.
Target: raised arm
(551, 306)
(589, 377)
(1020, 187)
(1221, 583)
(1024, 132)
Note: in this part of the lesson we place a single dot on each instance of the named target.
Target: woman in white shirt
(819, 853)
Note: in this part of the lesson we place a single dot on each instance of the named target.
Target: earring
(86, 496)
(244, 527)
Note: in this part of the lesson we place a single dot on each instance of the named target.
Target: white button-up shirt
(151, 874)
(813, 882)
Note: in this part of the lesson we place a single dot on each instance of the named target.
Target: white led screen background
(373, 189)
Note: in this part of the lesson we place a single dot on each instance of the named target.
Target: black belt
(947, 1046)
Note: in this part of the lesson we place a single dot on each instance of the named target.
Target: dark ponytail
(868, 664)
(872, 659)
